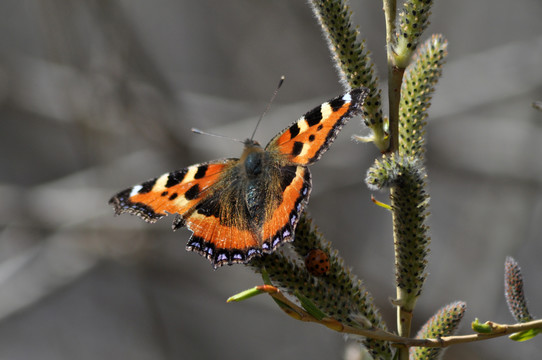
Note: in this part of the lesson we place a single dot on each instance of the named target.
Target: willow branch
(497, 330)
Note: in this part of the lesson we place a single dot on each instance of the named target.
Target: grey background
(96, 96)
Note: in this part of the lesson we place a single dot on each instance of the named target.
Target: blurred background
(96, 96)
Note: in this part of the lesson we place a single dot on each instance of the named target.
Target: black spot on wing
(312, 137)
(147, 186)
(330, 137)
(294, 130)
(336, 103)
(173, 196)
(201, 171)
(175, 177)
(192, 193)
(298, 147)
(314, 116)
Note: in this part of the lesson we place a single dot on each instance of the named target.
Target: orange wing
(306, 140)
(174, 193)
(220, 243)
(280, 226)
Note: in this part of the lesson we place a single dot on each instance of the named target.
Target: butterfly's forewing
(174, 193)
(306, 140)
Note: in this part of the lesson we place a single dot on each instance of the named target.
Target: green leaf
(247, 294)
(525, 335)
(310, 307)
(481, 328)
(265, 277)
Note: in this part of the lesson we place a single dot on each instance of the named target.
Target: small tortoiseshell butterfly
(240, 208)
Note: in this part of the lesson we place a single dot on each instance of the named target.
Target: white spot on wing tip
(135, 190)
(326, 110)
(347, 97)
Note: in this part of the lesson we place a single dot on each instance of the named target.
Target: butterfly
(241, 208)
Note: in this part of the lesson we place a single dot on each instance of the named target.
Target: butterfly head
(249, 143)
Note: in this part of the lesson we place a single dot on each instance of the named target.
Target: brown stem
(401, 341)
(395, 79)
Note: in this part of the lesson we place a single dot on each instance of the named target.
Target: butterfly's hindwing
(280, 225)
(306, 140)
(221, 244)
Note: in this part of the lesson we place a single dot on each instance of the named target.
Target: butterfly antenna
(268, 106)
(201, 132)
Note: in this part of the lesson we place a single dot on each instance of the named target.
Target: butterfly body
(241, 208)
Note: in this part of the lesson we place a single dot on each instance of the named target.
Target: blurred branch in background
(95, 83)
